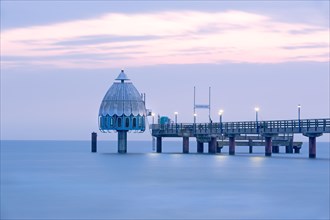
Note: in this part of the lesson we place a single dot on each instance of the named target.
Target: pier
(123, 109)
(270, 134)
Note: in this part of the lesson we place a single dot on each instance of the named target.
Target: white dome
(122, 99)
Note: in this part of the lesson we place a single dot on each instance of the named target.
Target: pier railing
(244, 127)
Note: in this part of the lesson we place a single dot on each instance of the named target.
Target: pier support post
(289, 149)
(200, 147)
(276, 149)
(185, 144)
(232, 145)
(312, 143)
(159, 145)
(296, 149)
(268, 146)
(94, 142)
(122, 142)
(213, 145)
(250, 146)
(312, 147)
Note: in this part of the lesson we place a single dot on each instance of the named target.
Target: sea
(64, 180)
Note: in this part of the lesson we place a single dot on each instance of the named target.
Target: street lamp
(220, 115)
(220, 119)
(299, 107)
(257, 110)
(195, 115)
(176, 117)
(153, 117)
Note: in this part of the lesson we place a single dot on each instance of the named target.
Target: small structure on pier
(122, 110)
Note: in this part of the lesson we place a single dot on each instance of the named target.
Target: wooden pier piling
(212, 145)
(296, 149)
(312, 147)
(94, 142)
(275, 149)
(159, 145)
(312, 143)
(200, 147)
(289, 149)
(250, 146)
(268, 146)
(232, 145)
(185, 143)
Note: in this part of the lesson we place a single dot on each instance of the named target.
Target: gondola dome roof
(122, 98)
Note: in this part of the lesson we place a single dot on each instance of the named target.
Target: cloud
(172, 37)
(93, 40)
(304, 46)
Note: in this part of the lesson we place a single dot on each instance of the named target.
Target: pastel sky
(59, 58)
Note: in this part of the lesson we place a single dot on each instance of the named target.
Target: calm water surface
(63, 180)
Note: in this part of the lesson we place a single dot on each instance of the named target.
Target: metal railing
(244, 127)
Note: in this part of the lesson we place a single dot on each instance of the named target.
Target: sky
(58, 59)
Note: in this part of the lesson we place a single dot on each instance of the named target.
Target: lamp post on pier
(176, 120)
(220, 119)
(257, 111)
(299, 107)
(195, 115)
(176, 117)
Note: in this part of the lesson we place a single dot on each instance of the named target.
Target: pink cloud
(175, 37)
